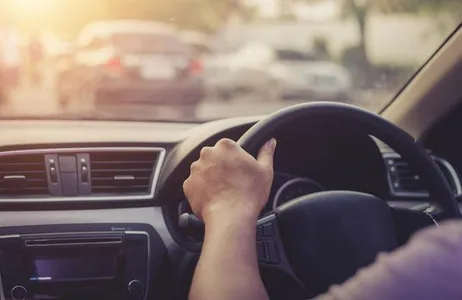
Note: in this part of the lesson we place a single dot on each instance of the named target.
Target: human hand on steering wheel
(227, 182)
(227, 189)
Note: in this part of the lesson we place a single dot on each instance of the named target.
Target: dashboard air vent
(404, 181)
(122, 172)
(23, 175)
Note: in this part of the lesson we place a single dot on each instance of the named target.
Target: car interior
(96, 210)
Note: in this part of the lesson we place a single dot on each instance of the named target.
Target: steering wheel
(324, 238)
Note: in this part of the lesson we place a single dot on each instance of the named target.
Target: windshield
(182, 61)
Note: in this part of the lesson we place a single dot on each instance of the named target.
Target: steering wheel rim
(361, 225)
(373, 124)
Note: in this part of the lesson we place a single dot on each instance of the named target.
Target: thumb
(265, 155)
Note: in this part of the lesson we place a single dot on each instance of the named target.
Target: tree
(360, 9)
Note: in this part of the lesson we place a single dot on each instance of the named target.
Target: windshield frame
(421, 68)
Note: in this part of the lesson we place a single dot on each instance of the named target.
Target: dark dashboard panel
(48, 260)
(444, 138)
(339, 160)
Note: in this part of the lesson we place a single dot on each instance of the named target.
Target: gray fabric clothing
(429, 266)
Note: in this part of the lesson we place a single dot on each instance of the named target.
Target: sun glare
(31, 8)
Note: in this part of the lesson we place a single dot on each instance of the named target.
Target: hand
(226, 181)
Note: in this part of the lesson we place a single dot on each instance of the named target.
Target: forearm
(228, 268)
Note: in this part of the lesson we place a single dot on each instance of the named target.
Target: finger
(205, 152)
(266, 153)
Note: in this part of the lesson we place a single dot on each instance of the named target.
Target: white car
(276, 74)
(303, 75)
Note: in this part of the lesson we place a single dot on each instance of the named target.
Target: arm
(428, 267)
(228, 266)
(227, 189)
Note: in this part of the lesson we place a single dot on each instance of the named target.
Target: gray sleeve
(428, 267)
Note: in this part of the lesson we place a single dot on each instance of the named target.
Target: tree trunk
(360, 14)
(361, 18)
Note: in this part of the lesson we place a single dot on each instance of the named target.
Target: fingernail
(271, 145)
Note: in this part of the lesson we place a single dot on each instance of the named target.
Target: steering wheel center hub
(327, 236)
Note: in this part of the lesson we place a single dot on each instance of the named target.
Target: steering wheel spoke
(270, 250)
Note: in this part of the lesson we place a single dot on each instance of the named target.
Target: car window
(290, 55)
(93, 43)
(146, 42)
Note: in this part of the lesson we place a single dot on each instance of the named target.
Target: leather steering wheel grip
(369, 123)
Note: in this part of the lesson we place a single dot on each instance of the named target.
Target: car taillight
(114, 62)
(195, 67)
(114, 66)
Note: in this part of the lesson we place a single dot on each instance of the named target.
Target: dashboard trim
(432, 218)
(445, 163)
(148, 277)
(52, 199)
(287, 184)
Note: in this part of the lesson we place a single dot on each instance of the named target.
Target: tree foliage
(69, 16)
(360, 9)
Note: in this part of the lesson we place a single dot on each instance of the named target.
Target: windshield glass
(146, 60)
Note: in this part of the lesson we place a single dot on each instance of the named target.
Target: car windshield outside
(193, 61)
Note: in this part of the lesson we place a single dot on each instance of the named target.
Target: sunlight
(31, 8)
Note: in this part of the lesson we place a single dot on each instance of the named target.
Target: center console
(80, 262)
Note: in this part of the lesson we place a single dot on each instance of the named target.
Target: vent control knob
(135, 288)
(84, 172)
(18, 293)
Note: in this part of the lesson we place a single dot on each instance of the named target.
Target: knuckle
(194, 166)
(186, 184)
(206, 151)
(226, 143)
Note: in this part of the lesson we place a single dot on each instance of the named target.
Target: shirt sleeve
(429, 266)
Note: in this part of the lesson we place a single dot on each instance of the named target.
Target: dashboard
(122, 178)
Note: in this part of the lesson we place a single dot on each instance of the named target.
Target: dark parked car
(131, 62)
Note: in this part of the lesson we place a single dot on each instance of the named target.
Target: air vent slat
(111, 189)
(29, 180)
(23, 189)
(404, 181)
(122, 187)
(112, 178)
(122, 172)
(113, 182)
(23, 175)
(111, 173)
(122, 162)
(41, 172)
(23, 184)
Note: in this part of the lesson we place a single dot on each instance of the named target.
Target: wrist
(233, 226)
(230, 214)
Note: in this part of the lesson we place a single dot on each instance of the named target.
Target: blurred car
(131, 62)
(276, 74)
(304, 75)
(240, 71)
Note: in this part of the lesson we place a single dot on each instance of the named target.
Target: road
(41, 102)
